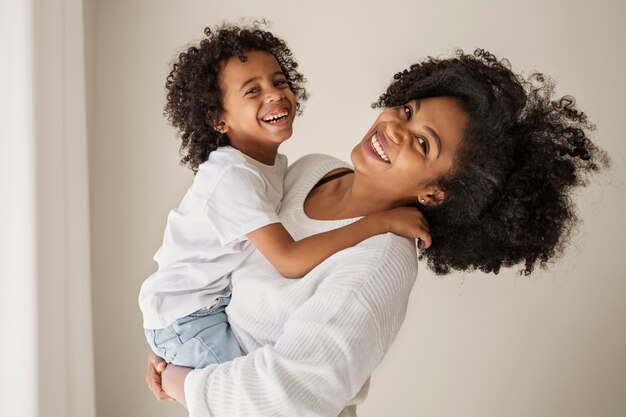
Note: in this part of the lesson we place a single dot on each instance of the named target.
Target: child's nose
(274, 94)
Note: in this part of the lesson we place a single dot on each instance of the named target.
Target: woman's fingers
(156, 365)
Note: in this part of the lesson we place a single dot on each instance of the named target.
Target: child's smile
(278, 117)
(259, 106)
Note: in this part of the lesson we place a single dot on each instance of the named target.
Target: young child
(233, 98)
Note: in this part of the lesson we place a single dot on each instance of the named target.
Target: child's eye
(408, 112)
(278, 83)
(252, 90)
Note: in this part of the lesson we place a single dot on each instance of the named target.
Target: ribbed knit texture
(312, 342)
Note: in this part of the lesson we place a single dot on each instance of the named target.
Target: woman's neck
(344, 198)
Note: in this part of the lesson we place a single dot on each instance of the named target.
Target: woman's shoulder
(312, 167)
(313, 161)
(386, 261)
(389, 251)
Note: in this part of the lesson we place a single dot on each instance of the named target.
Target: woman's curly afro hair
(509, 194)
(194, 96)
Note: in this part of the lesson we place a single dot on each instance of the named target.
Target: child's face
(259, 106)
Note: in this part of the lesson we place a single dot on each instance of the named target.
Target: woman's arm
(329, 346)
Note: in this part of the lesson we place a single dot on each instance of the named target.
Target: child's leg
(202, 338)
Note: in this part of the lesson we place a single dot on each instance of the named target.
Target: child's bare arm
(294, 259)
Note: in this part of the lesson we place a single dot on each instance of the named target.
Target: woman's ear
(432, 196)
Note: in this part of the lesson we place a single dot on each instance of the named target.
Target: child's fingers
(424, 239)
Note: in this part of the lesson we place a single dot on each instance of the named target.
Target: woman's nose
(396, 132)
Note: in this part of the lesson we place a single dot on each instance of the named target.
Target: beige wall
(46, 354)
(472, 345)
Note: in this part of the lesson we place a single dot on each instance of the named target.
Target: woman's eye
(423, 143)
(408, 112)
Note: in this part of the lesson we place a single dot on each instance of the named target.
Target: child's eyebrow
(253, 79)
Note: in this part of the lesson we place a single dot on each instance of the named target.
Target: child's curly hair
(194, 96)
(509, 195)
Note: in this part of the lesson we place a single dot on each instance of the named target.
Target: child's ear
(221, 127)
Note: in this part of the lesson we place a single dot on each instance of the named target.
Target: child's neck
(265, 154)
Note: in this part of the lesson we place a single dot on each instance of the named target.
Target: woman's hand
(407, 222)
(167, 382)
(156, 366)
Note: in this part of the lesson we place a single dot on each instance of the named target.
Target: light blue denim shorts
(202, 338)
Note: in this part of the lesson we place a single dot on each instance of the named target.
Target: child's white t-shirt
(205, 237)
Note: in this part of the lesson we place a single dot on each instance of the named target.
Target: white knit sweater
(312, 342)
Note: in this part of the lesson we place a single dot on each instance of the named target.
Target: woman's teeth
(379, 149)
(274, 118)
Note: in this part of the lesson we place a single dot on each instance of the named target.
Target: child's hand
(408, 222)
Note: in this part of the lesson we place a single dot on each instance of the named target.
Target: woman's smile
(376, 147)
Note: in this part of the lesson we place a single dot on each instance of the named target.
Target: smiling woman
(404, 145)
(524, 152)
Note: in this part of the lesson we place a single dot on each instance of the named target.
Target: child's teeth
(276, 117)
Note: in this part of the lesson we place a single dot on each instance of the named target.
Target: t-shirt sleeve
(239, 204)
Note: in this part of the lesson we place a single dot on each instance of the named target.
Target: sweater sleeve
(329, 347)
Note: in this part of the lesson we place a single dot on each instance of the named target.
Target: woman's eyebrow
(430, 130)
(436, 138)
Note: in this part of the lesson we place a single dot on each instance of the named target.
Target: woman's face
(409, 148)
